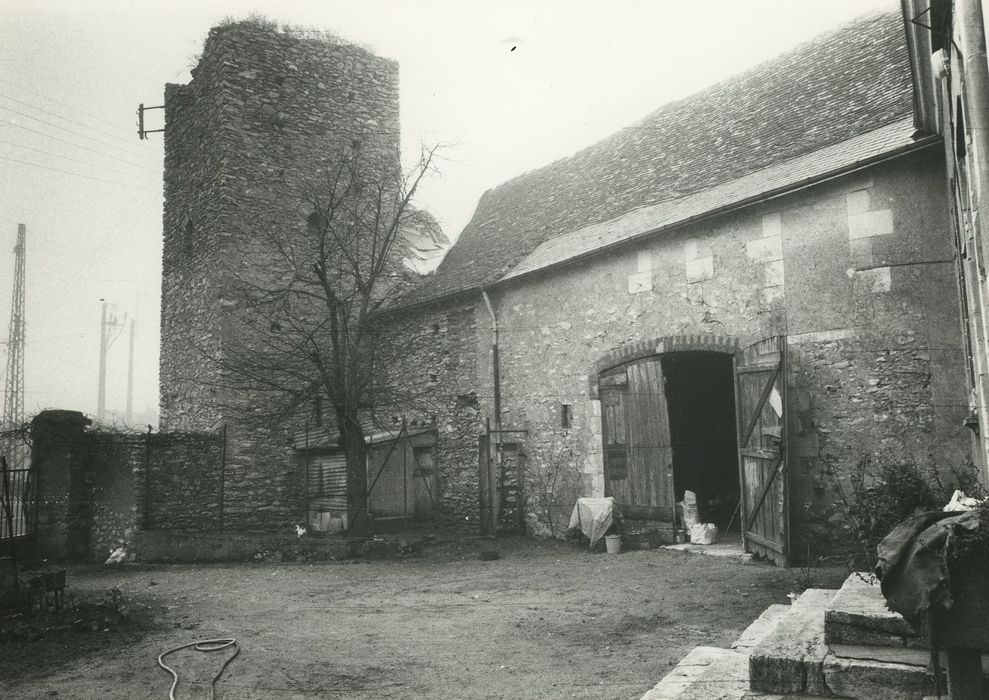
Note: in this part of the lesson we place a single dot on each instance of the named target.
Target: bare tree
(310, 321)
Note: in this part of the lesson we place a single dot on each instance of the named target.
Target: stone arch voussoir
(638, 350)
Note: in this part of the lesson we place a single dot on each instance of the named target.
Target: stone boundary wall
(93, 485)
(179, 481)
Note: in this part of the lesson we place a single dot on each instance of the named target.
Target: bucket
(613, 543)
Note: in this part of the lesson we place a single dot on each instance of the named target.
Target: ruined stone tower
(264, 111)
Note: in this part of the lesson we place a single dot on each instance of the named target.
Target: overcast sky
(73, 170)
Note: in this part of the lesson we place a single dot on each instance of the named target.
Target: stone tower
(264, 111)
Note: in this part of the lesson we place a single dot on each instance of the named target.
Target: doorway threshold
(730, 546)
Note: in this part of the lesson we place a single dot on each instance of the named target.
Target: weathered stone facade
(856, 272)
(431, 372)
(266, 113)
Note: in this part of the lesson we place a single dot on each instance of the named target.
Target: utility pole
(106, 327)
(130, 376)
(13, 394)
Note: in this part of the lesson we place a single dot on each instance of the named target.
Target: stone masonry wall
(857, 273)
(97, 488)
(430, 364)
(266, 113)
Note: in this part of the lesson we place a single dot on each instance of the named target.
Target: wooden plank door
(760, 397)
(638, 455)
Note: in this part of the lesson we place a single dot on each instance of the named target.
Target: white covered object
(689, 506)
(960, 502)
(593, 516)
(704, 533)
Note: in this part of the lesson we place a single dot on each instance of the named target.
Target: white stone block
(771, 294)
(765, 249)
(870, 223)
(857, 202)
(643, 262)
(640, 282)
(772, 274)
(700, 269)
(878, 279)
(772, 225)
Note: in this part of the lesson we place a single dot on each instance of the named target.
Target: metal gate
(18, 497)
(760, 396)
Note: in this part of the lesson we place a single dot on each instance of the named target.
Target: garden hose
(203, 645)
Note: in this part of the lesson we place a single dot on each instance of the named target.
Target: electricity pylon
(13, 393)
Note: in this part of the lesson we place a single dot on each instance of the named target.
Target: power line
(64, 118)
(62, 128)
(74, 160)
(143, 166)
(69, 172)
(49, 98)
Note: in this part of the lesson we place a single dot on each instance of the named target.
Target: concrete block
(870, 223)
(790, 659)
(858, 615)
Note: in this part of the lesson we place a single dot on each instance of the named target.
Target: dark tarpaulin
(913, 567)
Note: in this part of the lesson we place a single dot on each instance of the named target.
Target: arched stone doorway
(699, 413)
(668, 425)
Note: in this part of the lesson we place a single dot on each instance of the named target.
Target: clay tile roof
(842, 84)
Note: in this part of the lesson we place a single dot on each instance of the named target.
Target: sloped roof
(777, 178)
(840, 85)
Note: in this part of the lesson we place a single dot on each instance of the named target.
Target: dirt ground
(546, 620)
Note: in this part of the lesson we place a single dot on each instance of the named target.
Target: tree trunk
(356, 449)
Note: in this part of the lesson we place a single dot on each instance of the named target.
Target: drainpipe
(495, 369)
(975, 72)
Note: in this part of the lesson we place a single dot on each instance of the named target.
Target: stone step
(872, 672)
(858, 615)
(706, 672)
(790, 659)
(760, 628)
(711, 672)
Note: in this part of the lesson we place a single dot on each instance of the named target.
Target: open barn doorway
(700, 398)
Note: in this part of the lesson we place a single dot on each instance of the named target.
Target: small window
(566, 415)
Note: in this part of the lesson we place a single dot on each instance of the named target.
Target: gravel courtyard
(546, 620)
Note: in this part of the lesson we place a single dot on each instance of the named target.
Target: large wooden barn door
(760, 395)
(638, 457)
